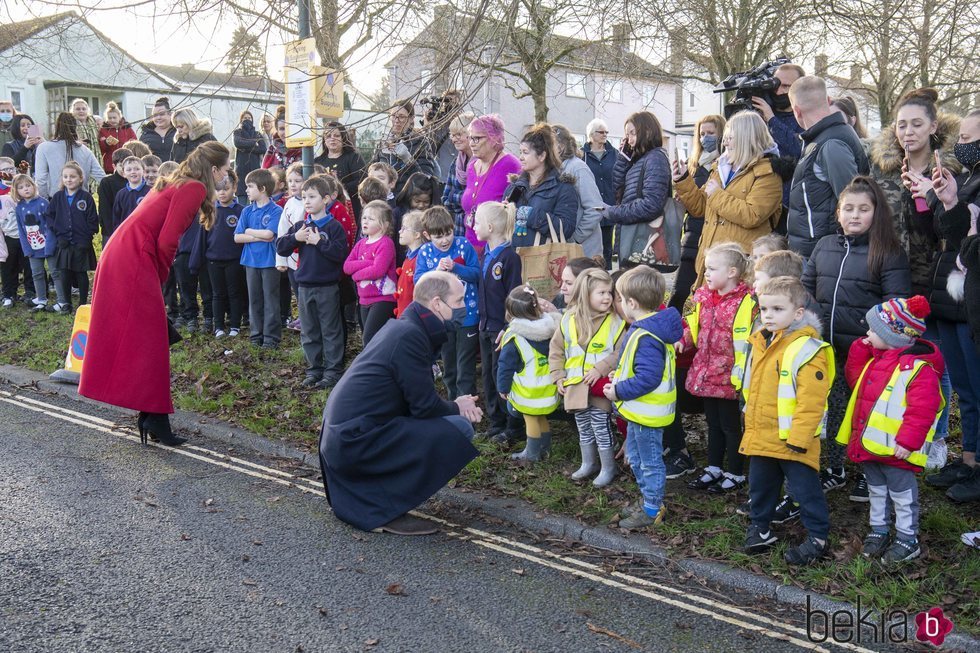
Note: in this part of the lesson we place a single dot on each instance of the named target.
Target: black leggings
(226, 287)
(724, 434)
(79, 280)
(373, 317)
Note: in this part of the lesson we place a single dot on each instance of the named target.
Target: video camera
(758, 82)
(439, 106)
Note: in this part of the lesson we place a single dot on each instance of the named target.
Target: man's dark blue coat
(384, 447)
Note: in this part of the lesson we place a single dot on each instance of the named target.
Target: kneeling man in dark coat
(388, 440)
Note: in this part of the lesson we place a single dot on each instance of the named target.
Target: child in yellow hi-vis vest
(891, 419)
(643, 387)
(786, 384)
(523, 378)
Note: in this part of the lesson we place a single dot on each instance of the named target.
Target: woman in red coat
(127, 358)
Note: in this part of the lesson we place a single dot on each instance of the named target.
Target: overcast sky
(172, 41)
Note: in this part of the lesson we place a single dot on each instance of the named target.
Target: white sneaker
(233, 333)
(39, 302)
(220, 333)
(8, 302)
(938, 455)
(971, 539)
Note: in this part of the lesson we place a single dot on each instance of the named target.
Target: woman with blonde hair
(708, 131)
(86, 126)
(114, 132)
(741, 199)
(191, 132)
(452, 191)
(128, 362)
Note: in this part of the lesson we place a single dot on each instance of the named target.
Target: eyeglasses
(477, 139)
(599, 131)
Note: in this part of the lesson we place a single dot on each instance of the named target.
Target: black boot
(157, 425)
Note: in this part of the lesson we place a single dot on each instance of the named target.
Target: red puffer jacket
(923, 395)
(711, 370)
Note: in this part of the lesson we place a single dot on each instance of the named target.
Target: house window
(17, 98)
(647, 94)
(612, 90)
(574, 85)
(424, 78)
(691, 101)
(94, 105)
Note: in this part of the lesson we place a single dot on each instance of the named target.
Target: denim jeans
(645, 450)
(945, 383)
(963, 364)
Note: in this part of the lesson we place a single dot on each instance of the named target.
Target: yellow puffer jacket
(746, 209)
(761, 437)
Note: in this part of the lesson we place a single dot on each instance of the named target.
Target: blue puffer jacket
(603, 170)
(636, 207)
(555, 196)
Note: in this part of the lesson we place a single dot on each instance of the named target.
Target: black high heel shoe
(157, 426)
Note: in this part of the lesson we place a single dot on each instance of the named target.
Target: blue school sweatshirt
(501, 273)
(321, 264)
(125, 203)
(73, 218)
(218, 244)
(37, 237)
(260, 254)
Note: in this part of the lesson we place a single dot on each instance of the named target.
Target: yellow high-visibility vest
(797, 354)
(532, 392)
(656, 408)
(579, 360)
(887, 414)
(741, 330)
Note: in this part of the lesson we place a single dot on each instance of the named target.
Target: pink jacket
(711, 370)
(372, 267)
(923, 395)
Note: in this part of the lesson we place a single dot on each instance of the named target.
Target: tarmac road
(108, 545)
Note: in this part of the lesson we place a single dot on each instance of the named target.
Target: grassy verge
(259, 390)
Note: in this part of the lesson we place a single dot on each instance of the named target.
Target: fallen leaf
(371, 642)
(395, 589)
(519, 572)
(208, 502)
(322, 610)
(249, 582)
(246, 557)
(199, 386)
(185, 537)
(257, 542)
(273, 499)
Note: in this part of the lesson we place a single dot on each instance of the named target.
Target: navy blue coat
(602, 169)
(384, 447)
(555, 196)
(250, 147)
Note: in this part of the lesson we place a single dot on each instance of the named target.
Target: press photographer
(439, 112)
(766, 90)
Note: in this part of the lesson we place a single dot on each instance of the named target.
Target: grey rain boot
(590, 463)
(535, 450)
(609, 468)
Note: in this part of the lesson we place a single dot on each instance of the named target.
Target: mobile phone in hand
(34, 131)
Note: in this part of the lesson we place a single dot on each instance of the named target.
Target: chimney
(675, 55)
(621, 36)
(820, 64)
(856, 74)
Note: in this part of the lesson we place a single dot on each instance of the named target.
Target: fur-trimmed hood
(200, 130)
(536, 330)
(887, 153)
(809, 319)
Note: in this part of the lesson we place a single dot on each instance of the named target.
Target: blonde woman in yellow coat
(742, 198)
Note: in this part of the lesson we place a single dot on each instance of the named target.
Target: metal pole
(304, 32)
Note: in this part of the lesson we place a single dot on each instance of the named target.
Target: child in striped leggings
(582, 354)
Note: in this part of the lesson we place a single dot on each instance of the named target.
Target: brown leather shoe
(407, 525)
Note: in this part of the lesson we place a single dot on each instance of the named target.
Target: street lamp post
(304, 32)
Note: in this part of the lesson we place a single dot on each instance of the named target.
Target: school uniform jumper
(217, 250)
(500, 273)
(75, 222)
(259, 261)
(318, 275)
(459, 352)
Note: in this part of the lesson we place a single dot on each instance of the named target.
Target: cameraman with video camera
(778, 113)
(439, 113)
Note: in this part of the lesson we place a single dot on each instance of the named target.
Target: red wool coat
(711, 369)
(923, 395)
(127, 358)
(123, 134)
